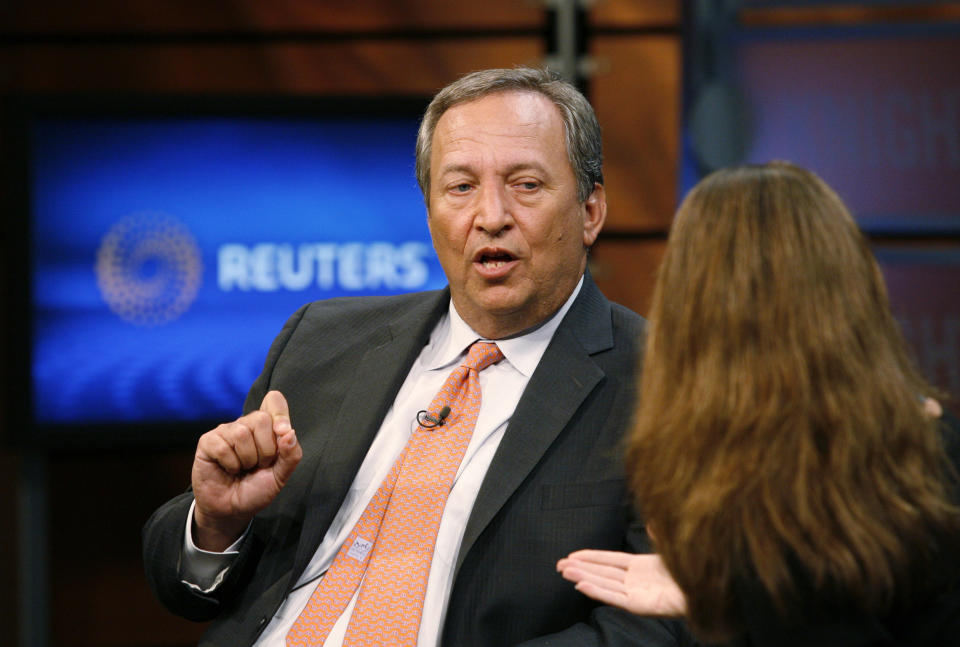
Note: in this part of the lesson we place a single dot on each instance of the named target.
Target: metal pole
(566, 39)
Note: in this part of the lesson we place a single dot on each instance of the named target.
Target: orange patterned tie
(398, 528)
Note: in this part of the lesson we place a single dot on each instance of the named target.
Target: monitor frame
(17, 114)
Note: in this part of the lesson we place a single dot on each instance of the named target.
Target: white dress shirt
(501, 386)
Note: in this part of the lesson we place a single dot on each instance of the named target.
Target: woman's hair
(780, 423)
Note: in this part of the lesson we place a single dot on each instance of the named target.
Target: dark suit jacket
(555, 484)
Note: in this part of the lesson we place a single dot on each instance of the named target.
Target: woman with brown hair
(796, 485)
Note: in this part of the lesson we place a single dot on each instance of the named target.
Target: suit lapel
(563, 379)
(377, 378)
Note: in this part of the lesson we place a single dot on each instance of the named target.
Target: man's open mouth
(494, 259)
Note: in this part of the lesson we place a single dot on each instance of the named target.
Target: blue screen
(168, 252)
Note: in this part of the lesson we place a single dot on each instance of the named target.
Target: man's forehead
(522, 120)
(501, 110)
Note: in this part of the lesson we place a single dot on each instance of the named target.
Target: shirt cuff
(204, 570)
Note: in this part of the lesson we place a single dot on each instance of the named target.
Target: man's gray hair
(581, 129)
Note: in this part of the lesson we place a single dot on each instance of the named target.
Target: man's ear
(594, 214)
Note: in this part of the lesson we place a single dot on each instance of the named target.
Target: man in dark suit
(509, 163)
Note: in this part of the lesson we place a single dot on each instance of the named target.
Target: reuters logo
(148, 268)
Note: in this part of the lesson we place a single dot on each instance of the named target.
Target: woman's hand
(638, 583)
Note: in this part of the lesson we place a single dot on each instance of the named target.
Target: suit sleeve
(163, 532)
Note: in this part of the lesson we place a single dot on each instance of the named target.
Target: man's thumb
(276, 405)
(289, 451)
(289, 454)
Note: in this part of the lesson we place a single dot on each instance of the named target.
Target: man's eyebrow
(455, 168)
(513, 168)
(526, 166)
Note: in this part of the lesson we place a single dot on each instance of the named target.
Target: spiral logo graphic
(149, 268)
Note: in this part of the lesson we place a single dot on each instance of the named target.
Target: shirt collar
(522, 351)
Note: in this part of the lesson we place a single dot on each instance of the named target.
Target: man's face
(503, 211)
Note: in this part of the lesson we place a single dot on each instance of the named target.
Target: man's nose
(493, 211)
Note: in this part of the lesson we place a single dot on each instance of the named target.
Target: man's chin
(500, 300)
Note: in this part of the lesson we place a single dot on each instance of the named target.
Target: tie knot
(481, 355)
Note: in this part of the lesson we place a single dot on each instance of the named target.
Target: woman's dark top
(926, 618)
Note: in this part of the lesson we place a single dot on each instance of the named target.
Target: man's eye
(528, 186)
(461, 188)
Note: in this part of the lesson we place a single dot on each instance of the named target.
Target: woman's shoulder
(949, 425)
(950, 428)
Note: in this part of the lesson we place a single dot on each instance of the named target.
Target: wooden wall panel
(351, 67)
(233, 16)
(907, 12)
(635, 13)
(626, 270)
(637, 99)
